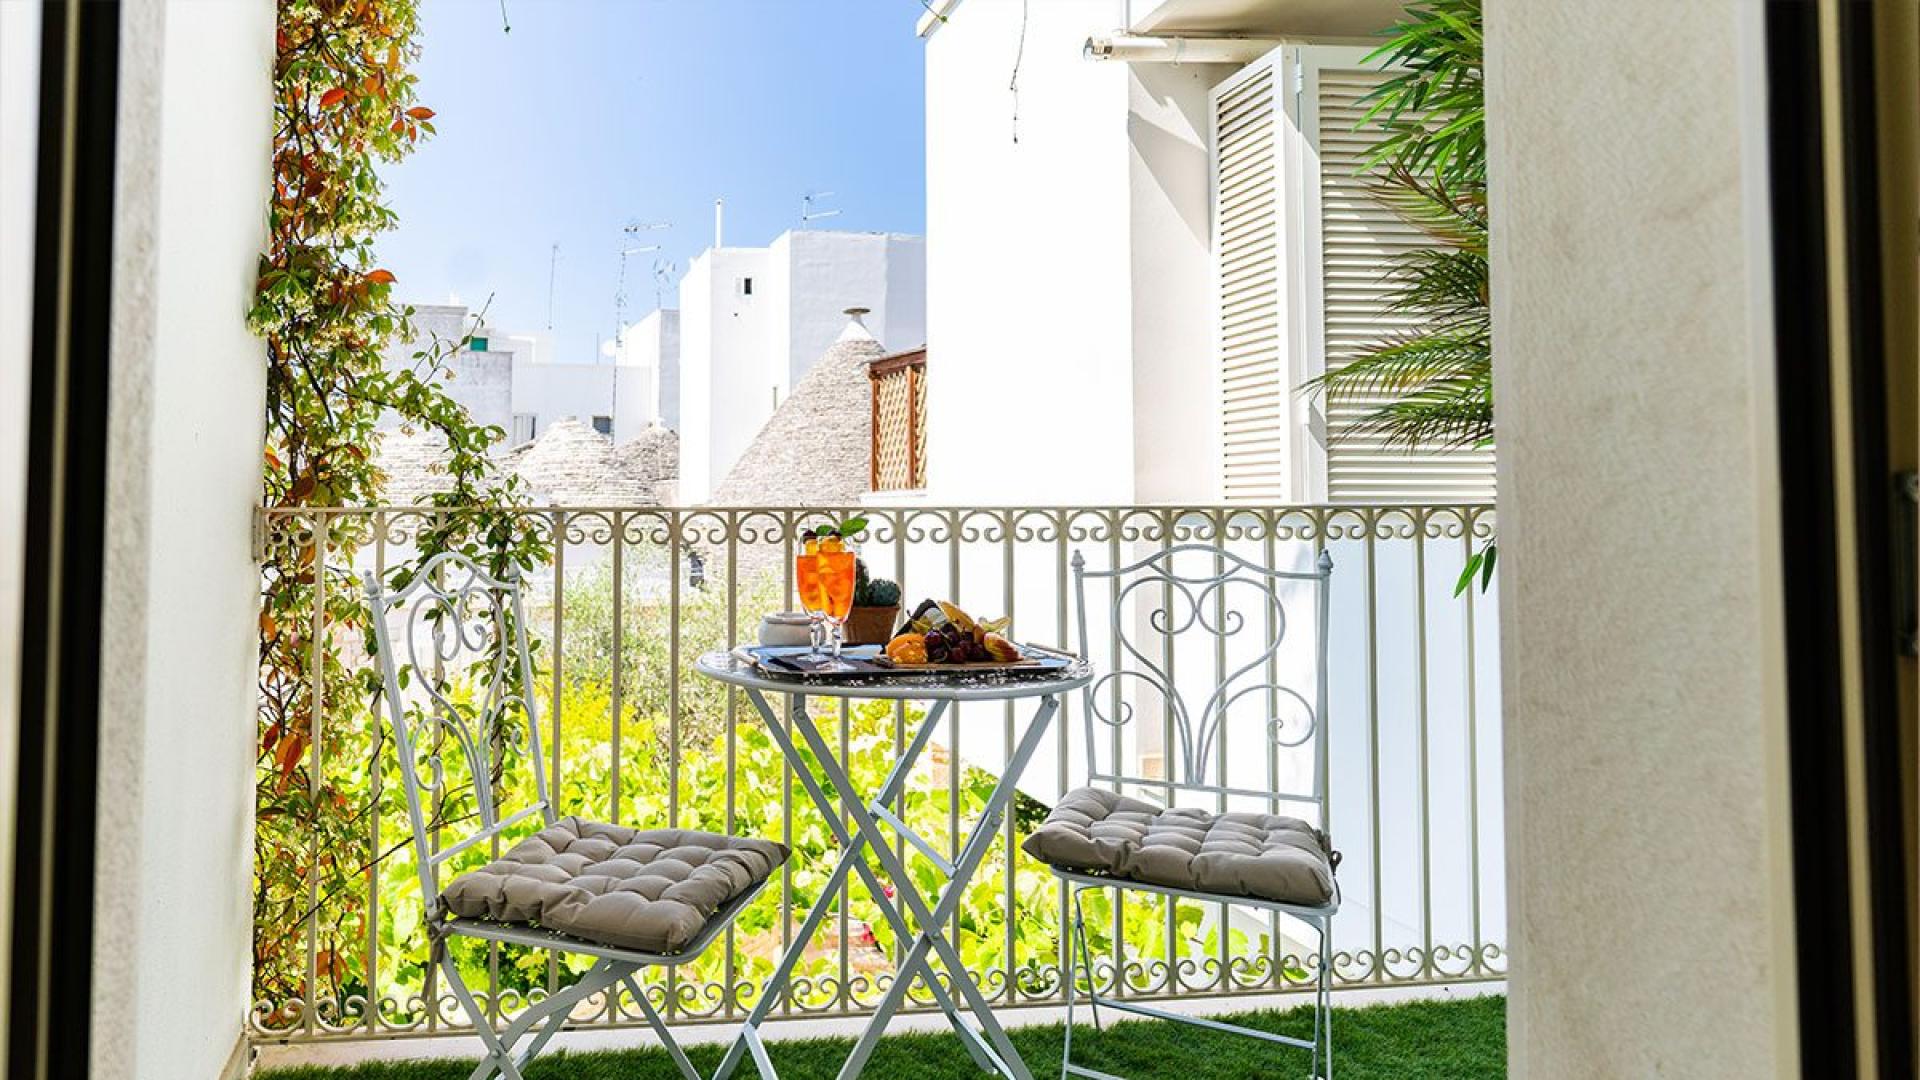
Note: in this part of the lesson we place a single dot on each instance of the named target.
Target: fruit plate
(868, 662)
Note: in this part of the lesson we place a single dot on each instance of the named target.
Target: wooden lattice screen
(899, 458)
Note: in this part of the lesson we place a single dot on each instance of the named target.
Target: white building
(482, 375)
(545, 393)
(510, 381)
(752, 320)
(1176, 238)
(646, 386)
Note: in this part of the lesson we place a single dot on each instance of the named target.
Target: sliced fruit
(813, 546)
(957, 617)
(833, 545)
(908, 649)
(1002, 650)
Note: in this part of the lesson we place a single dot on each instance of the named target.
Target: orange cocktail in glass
(823, 576)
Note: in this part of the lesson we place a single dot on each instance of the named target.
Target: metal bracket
(259, 534)
(1906, 559)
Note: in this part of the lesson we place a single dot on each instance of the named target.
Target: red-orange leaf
(333, 97)
(381, 277)
(420, 112)
(287, 755)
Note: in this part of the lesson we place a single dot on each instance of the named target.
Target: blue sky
(594, 113)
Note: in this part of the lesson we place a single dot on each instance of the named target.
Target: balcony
(631, 595)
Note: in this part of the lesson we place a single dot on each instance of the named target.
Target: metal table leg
(933, 921)
(989, 1046)
(783, 972)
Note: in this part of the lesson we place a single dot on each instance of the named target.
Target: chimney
(856, 330)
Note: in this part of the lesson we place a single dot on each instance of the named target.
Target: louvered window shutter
(1302, 255)
(1254, 391)
(1360, 239)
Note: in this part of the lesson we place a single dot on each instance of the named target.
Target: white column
(173, 918)
(1647, 819)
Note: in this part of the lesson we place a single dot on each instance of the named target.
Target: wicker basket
(871, 625)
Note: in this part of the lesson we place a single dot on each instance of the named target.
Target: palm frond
(1433, 110)
(1439, 284)
(1451, 414)
(1452, 214)
(1408, 364)
(1438, 374)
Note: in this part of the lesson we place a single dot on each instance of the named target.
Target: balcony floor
(1422, 1040)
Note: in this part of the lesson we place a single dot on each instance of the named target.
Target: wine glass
(823, 575)
(838, 572)
(813, 600)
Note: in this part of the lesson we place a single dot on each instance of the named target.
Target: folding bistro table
(971, 1016)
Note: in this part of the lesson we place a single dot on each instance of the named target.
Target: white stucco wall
(816, 276)
(552, 392)
(173, 919)
(1648, 875)
(646, 386)
(725, 391)
(739, 354)
(481, 381)
(19, 100)
(1029, 263)
(1176, 368)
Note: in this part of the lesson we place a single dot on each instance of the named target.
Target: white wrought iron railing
(632, 595)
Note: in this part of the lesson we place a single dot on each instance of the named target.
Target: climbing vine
(344, 104)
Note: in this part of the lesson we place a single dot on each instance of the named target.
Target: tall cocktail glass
(823, 576)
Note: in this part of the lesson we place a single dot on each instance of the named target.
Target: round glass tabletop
(955, 685)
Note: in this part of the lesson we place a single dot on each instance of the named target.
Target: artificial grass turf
(1424, 1040)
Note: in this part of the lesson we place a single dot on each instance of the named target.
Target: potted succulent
(876, 608)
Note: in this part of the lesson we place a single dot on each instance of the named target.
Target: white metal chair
(1099, 838)
(630, 898)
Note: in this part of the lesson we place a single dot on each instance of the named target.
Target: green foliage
(714, 617)
(1420, 1040)
(846, 529)
(344, 103)
(1438, 374)
(1431, 165)
(882, 593)
(872, 592)
(1434, 112)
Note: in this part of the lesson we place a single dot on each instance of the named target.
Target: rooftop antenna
(553, 263)
(620, 292)
(633, 227)
(663, 271)
(719, 223)
(808, 213)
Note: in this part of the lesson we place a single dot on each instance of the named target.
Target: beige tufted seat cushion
(652, 890)
(1264, 856)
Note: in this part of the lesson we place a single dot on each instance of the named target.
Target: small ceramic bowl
(786, 628)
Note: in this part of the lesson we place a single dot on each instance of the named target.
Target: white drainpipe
(1140, 49)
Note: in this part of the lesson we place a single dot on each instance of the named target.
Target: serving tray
(868, 662)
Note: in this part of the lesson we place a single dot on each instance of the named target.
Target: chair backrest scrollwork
(461, 637)
(1217, 604)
